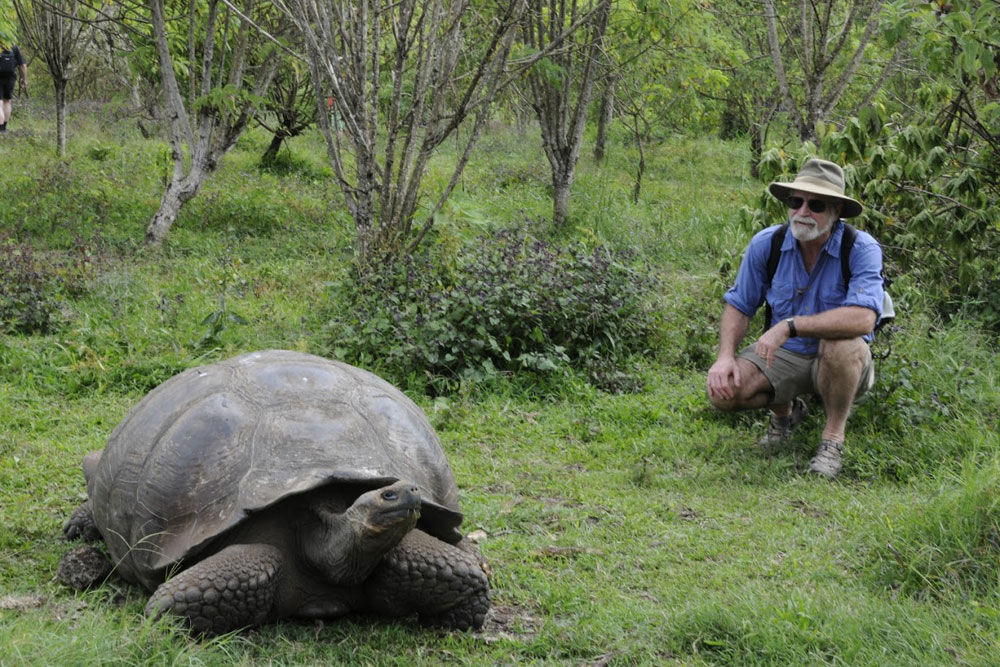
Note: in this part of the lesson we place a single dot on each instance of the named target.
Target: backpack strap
(773, 257)
(846, 245)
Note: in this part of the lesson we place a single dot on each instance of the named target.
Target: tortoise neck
(345, 547)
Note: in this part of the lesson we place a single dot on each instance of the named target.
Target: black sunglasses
(794, 203)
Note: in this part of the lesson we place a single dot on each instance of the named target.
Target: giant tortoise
(279, 484)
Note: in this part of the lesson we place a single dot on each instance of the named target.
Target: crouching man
(823, 289)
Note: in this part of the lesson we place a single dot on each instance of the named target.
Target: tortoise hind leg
(232, 589)
(80, 525)
(444, 584)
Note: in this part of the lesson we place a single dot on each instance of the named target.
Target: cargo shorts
(792, 374)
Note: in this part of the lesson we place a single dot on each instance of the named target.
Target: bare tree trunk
(604, 116)
(174, 197)
(60, 92)
(561, 186)
(271, 152)
(756, 151)
(640, 170)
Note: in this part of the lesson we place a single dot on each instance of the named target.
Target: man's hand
(723, 378)
(767, 345)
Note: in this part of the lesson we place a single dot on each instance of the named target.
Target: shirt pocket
(781, 296)
(831, 294)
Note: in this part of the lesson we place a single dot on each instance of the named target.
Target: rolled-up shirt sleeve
(865, 288)
(747, 293)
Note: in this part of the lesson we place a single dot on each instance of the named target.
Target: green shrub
(928, 380)
(33, 283)
(28, 295)
(508, 303)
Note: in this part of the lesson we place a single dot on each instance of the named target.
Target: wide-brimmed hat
(819, 177)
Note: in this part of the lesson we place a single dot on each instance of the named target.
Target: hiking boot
(780, 428)
(827, 459)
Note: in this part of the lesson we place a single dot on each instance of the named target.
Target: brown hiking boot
(827, 459)
(780, 428)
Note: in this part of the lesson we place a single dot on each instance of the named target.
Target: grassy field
(635, 528)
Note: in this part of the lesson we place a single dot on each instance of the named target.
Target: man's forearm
(843, 322)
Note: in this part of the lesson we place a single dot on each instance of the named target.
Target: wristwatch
(792, 333)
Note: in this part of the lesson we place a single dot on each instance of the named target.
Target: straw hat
(819, 177)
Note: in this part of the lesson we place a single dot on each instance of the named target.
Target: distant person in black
(11, 62)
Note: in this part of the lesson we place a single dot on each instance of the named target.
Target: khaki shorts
(794, 374)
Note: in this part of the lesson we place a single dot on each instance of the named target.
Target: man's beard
(814, 230)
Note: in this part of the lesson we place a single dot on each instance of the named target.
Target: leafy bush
(928, 381)
(32, 283)
(28, 299)
(508, 303)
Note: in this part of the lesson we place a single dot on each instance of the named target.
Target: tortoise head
(346, 546)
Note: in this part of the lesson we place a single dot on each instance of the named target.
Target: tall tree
(54, 30)
(227, 68)
(816, 47)
(402, 77)
(605, 111)
(562, 83)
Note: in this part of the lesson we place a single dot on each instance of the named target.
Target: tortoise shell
(206, 449)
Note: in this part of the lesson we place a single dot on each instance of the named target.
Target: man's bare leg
(841, 363)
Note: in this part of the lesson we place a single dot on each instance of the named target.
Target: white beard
(814, 230)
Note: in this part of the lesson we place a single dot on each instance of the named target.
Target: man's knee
(723, 404)
(753, 392)
(843, 352)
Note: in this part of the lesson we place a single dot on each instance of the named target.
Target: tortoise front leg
(444, 584)
(232, 589)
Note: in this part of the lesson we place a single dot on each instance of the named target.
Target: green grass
(635, 528)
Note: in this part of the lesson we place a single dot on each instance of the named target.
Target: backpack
(8, 64)
(846, 246)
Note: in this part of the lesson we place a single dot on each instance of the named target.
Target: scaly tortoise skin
(279, 484)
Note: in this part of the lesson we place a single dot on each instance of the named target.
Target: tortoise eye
(390, 495)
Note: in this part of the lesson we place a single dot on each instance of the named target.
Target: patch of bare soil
(506, 622)
(22, 602)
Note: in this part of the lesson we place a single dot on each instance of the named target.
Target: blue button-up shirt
(794, 292)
